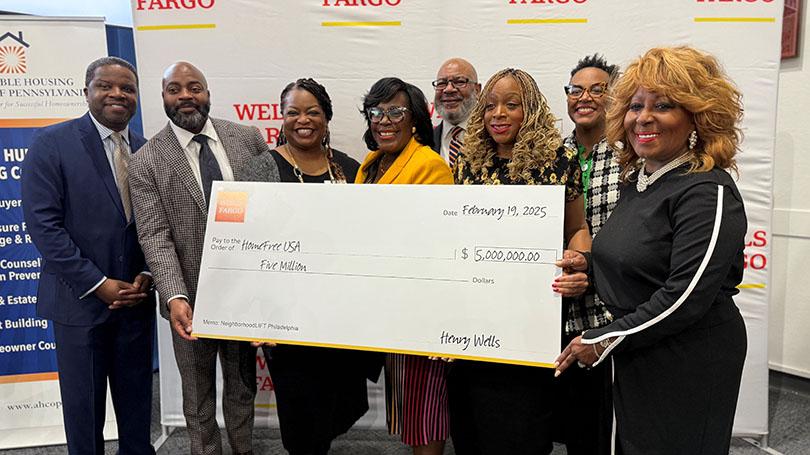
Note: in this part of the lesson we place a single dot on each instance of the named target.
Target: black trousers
(500, 409)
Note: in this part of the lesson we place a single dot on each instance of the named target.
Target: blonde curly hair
(695, 81)
(537, 140)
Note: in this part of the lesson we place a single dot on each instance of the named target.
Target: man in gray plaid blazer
(170, 181)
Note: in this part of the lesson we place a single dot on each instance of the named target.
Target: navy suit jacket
(74, 214)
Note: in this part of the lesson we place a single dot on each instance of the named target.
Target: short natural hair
(695, 81)
(105, 61)
(596, 61)
(537, 139)
(387, 88)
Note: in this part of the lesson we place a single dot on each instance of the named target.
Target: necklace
(385, 163)
(645, 181)
(586, 165)
(297, 170)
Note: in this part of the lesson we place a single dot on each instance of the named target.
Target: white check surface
(454, 271)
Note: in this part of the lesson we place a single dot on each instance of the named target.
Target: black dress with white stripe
(667, 264)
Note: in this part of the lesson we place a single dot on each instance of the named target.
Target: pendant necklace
(297, 170)
(644, 181)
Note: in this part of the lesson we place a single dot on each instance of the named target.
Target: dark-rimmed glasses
(395, 114)
(576, 91)
(458, 82)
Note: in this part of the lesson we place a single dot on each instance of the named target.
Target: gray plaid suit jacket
(170, 207)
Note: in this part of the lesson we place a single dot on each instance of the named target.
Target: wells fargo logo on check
(231, 206)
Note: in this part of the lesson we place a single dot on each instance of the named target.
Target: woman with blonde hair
(668, 261)
(511, 140)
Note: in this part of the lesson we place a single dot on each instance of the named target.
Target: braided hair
(537, 139)
(325, 102)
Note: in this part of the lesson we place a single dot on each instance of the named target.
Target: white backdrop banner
(41, 80)
(250, 49)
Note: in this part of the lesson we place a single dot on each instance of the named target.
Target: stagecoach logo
(12, 53)
(231, 206)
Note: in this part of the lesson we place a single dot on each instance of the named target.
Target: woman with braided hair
(320, 392)
(511, 140)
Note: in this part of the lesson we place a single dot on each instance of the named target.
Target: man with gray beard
(170, 179)
(457, 90)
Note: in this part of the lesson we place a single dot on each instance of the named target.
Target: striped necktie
(121, 164)
(454, 147)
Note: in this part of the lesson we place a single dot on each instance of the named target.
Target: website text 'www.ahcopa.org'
(33, 405)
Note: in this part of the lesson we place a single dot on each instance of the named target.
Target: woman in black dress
(669, 258)
(320, 392)
(511, 140)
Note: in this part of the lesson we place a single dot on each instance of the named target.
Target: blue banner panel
(26, 341)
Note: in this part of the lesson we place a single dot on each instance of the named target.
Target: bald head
(177, 69)
(458, 65)
(457, 90)
(186, 99)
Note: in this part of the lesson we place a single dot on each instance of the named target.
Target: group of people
(653, 345)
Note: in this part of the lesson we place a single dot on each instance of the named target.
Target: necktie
(121, 164)
(454, 147)
(209, 168)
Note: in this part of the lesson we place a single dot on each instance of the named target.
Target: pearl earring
(693, 138)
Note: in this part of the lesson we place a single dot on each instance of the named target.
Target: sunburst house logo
(12, 53)
(231, 206)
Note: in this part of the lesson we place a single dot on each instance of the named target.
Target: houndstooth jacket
(170, 207)
(588, 312)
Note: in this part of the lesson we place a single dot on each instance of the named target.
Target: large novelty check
(451, 271)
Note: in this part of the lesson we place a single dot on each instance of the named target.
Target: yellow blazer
(416, 164)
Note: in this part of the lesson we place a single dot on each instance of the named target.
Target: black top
(287, 172)
(564, 170)
(670, 257)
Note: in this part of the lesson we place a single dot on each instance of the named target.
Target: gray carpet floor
(789, 417)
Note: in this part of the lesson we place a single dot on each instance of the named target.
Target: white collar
(105, 132)
(447, 127)
(184, 137)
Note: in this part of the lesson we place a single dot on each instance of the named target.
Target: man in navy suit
(94, 285)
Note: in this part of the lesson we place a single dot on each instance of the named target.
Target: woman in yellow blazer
(401, 136)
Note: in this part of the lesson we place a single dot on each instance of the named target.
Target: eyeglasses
(576, 91)
(395, 114)
(458, 82)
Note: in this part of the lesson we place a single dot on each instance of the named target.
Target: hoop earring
(693, 139)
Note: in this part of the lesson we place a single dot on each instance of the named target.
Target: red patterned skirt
(416, 398)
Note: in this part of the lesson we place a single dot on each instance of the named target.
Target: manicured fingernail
(557, 373)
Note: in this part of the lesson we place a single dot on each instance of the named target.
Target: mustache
(191, 121)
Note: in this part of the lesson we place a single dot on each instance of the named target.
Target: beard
(457, 116)
(194, 121)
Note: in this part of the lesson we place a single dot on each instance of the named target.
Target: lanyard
(586, 165)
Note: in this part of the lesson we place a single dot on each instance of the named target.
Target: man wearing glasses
(457, 90)
(586, 98)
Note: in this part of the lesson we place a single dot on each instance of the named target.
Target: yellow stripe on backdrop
(735, 19)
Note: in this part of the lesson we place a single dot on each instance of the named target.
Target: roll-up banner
(250, 49)
(42, 66)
